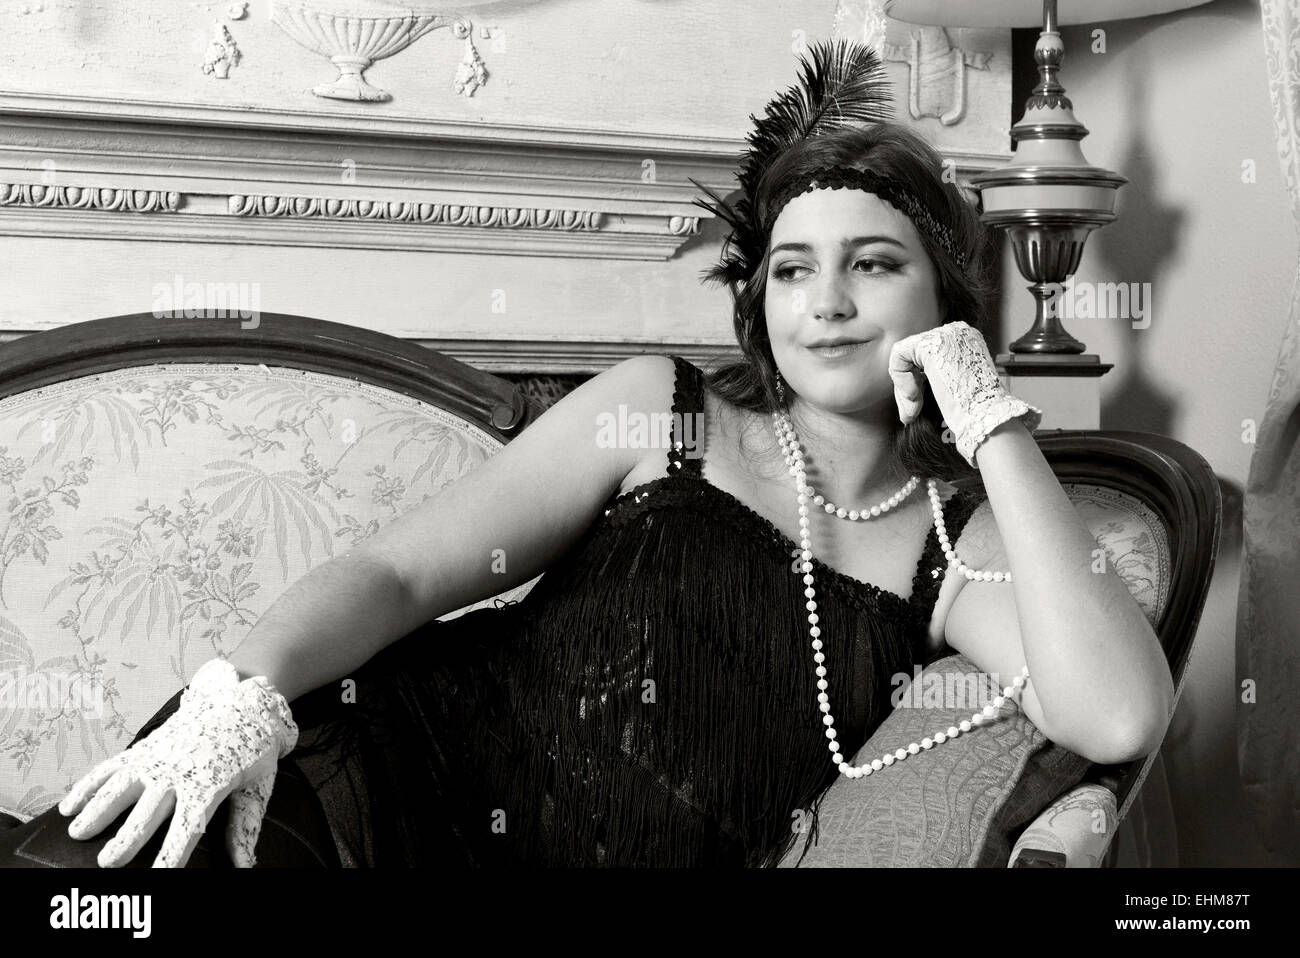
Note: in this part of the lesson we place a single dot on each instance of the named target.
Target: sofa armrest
(1079, 825)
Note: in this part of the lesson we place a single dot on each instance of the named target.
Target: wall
(1178, 104)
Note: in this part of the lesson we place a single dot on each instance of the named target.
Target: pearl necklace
(794, 458)
(864, 514)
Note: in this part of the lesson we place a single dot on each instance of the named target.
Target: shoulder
(597, 417)
(632, 402)
(648, 372)
(643, 384)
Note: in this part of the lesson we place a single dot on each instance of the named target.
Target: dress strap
(930, 570)
(686, 452)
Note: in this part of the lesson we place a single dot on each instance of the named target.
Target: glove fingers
(909, 396)
(906, 373)
(116, 795)
(150, 811)
(87, 785)
(247, 809)
(188, 824)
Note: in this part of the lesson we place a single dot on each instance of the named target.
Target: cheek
(911, 310)
(782, 306)
(782, 318)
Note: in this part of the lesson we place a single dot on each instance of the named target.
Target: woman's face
(845, 266)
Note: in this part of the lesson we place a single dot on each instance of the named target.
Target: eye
(881, 265)
(786, 274)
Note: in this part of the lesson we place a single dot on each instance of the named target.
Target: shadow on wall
(1141, 251)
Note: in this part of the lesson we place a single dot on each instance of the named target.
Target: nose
(830, 299)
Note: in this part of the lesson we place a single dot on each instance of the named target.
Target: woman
(710, 644)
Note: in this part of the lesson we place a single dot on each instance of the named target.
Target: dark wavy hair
(964, 294)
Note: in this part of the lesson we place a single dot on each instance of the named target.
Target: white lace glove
(964, 379)
(224, 739)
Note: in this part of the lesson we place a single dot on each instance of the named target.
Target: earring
(780, 387)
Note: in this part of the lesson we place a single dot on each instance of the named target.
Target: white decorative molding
(246, 231)
(441, 226)
(41, 196)
(684, 225)
(936, 73)
(471, 72)
(959, 77)
(445, 214)
(222, 53)
(363, 31)
(714, 151)
(535, 193)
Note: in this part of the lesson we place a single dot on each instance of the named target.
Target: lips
(838, 350)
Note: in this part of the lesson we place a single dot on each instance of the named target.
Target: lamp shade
(1026, 13)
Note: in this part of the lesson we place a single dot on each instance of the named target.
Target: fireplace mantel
(170, 172)
(536, 218)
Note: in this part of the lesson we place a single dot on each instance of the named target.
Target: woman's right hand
(225, 739)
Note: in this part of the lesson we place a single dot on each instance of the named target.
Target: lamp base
(1066, 387)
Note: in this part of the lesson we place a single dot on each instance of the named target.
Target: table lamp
(1048, 197)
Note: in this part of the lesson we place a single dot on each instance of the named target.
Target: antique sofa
(168, 478)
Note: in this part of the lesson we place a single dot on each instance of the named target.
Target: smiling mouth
(834, 352)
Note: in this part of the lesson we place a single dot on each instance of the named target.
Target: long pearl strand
(794, 458)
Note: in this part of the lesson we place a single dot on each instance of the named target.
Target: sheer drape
(1268, 611)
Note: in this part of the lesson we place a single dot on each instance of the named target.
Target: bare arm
(532, 500)
(1099, 682)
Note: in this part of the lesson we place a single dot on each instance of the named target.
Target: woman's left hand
(955, 360)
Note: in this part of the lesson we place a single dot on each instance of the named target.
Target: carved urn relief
(356, 33)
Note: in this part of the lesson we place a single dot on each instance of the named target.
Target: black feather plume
(842, 84)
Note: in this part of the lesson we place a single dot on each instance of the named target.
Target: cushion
(154, 513)
(965, 802)
(958, 804)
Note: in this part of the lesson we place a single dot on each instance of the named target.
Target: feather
(842, 83)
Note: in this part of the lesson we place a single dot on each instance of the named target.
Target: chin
(844, 391)
(848, 400)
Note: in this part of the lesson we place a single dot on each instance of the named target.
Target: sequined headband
(890, 190)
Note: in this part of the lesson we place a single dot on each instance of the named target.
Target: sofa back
(151, 515)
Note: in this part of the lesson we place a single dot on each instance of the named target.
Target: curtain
(1268, 607)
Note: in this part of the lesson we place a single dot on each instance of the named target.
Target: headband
(888, 189)
(842, 83)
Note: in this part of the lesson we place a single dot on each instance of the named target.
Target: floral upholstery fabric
(1136, 544)
(154, 513)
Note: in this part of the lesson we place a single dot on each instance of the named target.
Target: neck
(850, 458)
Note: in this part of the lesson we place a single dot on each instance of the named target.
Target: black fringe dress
(651, 701)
